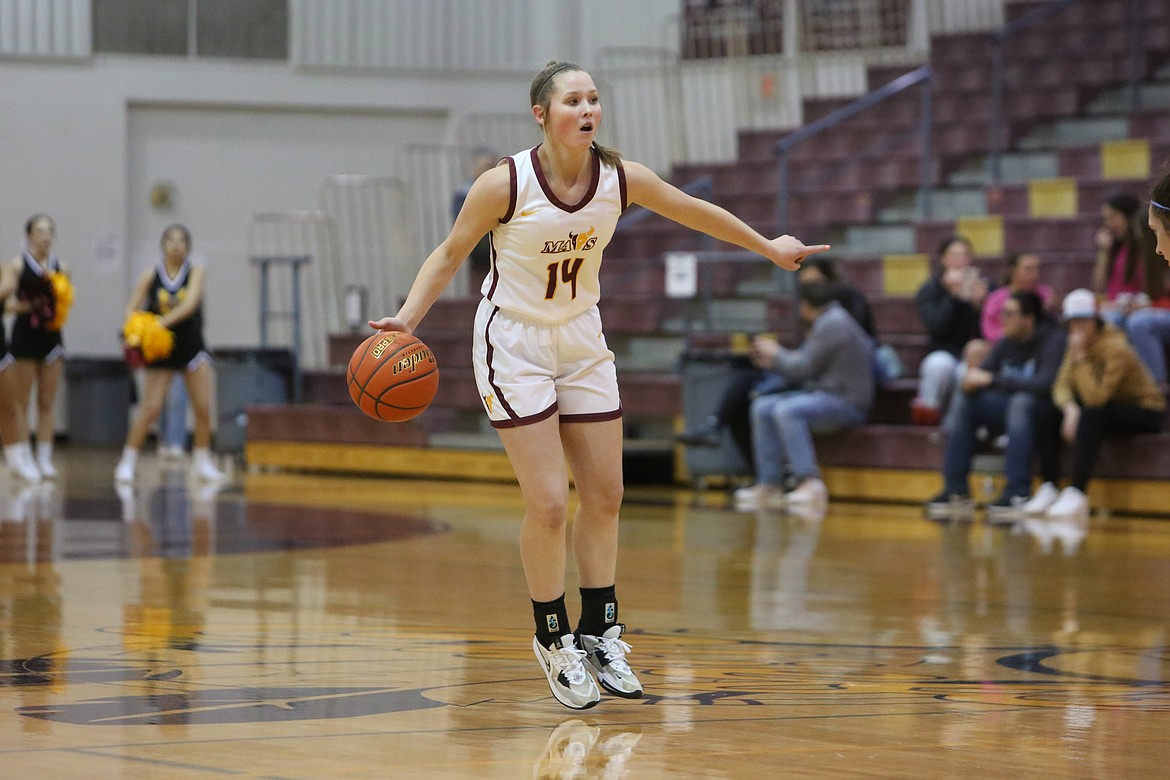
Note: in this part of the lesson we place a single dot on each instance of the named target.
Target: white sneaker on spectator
(748, 497)
(809, 491)
(1043, 498)
(1070, 503)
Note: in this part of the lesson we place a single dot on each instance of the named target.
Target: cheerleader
(37, 347)
(173, 290)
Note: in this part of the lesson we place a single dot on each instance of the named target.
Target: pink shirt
(990, 321)
(1117, 284)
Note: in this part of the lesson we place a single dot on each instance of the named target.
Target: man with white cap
(1102, 388)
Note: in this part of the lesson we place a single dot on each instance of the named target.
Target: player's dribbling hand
(788, 251)
(390, 324)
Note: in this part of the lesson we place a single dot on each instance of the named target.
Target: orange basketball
(392, 376)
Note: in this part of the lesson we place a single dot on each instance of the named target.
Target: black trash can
(99, 393)
(704, 377)
(243, 377)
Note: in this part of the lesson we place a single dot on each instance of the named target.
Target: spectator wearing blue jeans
(832, 377)
(173, 421)
(1001, 395)
(1148, 331)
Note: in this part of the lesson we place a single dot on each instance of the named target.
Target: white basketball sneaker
(607, 656)
(568, 678)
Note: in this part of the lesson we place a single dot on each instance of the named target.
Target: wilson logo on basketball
(410, 361)
(380, 347)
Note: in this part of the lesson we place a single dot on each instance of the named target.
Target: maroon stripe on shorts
(491, 377)
(593, 417)
(516, 422)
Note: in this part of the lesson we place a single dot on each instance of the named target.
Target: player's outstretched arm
(645, 188)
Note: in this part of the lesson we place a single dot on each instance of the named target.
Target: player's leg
(12, 433)
(198, 381)
(154, 391)
(594, 451)
(535, 451)
(48, 378)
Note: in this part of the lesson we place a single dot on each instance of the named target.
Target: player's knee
(550, 511)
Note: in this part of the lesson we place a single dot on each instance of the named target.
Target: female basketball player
(174, 290)
(13, 427)
(545, 375)
(37, 348)
(1160, 216)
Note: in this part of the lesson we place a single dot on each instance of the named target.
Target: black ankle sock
(599, 610)
(552, 620)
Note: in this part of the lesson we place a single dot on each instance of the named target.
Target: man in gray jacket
(831, 387)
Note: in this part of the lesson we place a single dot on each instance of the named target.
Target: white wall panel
(44, 28)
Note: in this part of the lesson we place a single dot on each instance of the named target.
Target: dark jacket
(1027, 366)
(950, 322)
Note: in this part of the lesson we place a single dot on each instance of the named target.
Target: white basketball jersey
(546, 254)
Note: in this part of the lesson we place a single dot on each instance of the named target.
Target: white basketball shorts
(528, 371)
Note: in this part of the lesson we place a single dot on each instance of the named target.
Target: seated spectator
(833, 384)
(1023, 276)
(1102, 388)
(1148, 329)
(732, 411)
(949, 305)
(1002, 395)
(1127, 273)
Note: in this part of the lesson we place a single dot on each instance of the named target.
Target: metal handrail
(919, 77)
(999, 77)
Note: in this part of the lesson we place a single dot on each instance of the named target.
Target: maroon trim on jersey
(493, 271)
(511, 190)
(595, 178)
(621, 172)
(491, 377)
(516, 422)
(594, 417)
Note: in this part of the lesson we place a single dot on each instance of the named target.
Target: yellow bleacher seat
(1127, 158)
(985, 234)
(902, 275)
(1052, 197)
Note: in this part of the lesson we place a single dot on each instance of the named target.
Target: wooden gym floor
(292, 626)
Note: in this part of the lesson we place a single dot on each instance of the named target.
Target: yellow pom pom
(144, 333)
(63, 299)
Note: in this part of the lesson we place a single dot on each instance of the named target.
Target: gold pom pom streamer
(62, 298)
(145, 335)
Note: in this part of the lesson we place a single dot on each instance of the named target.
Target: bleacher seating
(1067, 68)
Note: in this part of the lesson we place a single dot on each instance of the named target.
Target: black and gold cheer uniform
(31, 337)
(164, 294)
